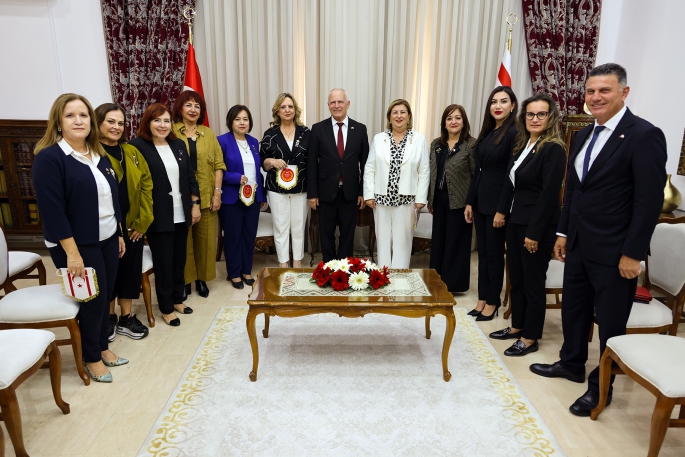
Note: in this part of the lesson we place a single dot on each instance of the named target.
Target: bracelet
(220, 191)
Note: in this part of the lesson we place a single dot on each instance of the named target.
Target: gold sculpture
(672, 197)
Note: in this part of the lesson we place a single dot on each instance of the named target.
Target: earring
(59, 129)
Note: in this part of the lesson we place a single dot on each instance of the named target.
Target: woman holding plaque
(283, 154)
(242, 195)
(207, 160)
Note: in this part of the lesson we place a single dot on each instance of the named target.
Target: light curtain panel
(432, 53)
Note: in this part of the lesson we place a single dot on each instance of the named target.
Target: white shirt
(517, 164)
(602, 138)
(106, 214)
(346, 123)
(169, 160)
(248, 161)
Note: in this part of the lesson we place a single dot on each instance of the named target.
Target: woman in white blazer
(396, 179)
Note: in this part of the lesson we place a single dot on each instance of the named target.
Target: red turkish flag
(193, 80)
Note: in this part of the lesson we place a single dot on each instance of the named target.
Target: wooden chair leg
(75, 334)
(12, 418)
(2, 443)
(604, 381)
(147, 297)
(660, 418)
(9, 287)
(42, 278)
(56, 376)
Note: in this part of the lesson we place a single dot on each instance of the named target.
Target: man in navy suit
(337, 154)
(614, 194)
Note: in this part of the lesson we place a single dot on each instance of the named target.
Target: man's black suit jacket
(536, 193)
(324, 164)
(613, 212)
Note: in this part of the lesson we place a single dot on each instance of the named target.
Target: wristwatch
(220, 191)
(195, 202)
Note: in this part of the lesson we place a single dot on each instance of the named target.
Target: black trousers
(168, 251)
(342, 213)
(450, 244)
(127, 284)
(592, 289)
(240, 230)
(93, 315)
(490, 257)
(527, 276)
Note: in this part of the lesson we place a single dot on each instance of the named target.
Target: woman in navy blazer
(239, 214)
(77, 192)
(536, 172)
(486, 202)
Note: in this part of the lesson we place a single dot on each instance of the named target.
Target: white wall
(648, 41)
(51, 47)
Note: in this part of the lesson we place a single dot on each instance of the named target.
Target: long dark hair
(489, 121)
(551, 133)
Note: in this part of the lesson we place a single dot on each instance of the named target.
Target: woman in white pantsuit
(283, 152)
(396, 179)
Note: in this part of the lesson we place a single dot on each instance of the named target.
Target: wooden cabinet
(18, 206)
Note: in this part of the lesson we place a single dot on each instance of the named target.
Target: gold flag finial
(189, 14)
(511, 24)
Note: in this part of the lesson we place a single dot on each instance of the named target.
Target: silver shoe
(107, 377)
(117, 363)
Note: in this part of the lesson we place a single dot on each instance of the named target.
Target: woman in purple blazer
(242, 195)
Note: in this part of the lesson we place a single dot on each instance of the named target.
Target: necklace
(190, 132)
(245, 148)
(288, 136)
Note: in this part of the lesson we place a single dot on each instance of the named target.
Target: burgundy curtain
(561, 37)
(147, 45)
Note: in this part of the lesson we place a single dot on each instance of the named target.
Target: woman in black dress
(451, 169)
(486, 203)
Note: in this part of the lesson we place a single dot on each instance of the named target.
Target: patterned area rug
(348, 387)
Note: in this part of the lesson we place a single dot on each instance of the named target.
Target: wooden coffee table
(265, 299)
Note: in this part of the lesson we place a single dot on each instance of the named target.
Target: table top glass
(266, 290)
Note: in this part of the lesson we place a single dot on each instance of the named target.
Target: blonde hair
(277, 106)
(551, 133)
(399, 101)
(53, 133)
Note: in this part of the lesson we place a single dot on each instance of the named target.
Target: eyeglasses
(541, 115)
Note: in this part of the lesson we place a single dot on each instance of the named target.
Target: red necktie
(341, 141)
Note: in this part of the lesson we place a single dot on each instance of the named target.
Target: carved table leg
(265, 332)
(428, 327)
(251, 317)
(449, 333)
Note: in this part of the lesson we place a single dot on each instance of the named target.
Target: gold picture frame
(681, 162)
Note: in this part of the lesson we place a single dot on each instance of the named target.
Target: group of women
(100, 194)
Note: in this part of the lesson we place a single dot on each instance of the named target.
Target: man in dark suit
(337, 154)
(614, 194)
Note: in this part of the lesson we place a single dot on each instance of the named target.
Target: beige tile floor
(115, 419)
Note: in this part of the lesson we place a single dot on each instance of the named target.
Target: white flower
(370, 266)
(333, 265)
(359, 281)
(344, 265)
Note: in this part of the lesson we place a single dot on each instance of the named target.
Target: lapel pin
(352, 128)
(621, 136)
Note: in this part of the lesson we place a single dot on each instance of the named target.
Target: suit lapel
(615, 140)
(350, 134)
(282, 143)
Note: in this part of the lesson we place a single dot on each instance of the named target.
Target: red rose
(339, 280)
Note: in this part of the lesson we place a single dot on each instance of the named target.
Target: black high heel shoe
(247, 281)
(474, 312)
(482, 317)
(201, 288)
(186, 291)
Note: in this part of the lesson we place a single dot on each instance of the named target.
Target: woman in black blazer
(486, 202)
(284, 147)
(77, 193)
(175, 207)
(536, 173)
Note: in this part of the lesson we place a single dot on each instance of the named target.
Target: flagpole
(511, 24)
(189, 14)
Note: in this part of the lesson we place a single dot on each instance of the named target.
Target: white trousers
(289, 215)
(394, 234)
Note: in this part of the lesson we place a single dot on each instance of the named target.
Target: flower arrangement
(350, 272)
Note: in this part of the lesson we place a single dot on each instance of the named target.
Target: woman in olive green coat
(207, 158)
(135, 200)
